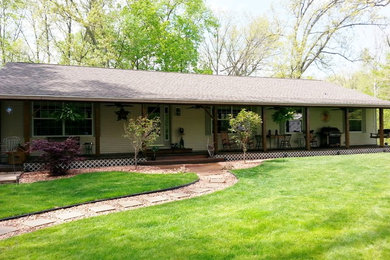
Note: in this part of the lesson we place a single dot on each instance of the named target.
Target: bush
(57, 156)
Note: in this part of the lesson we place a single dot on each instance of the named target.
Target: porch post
(307, 128)
(346, 124)
(381, 126)
(264, 129)
(97, 127)
(215, 129)
(27, 121)
(143, 110)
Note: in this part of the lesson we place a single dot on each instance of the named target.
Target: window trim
(63, 121)
(361, 121)
(248, 108)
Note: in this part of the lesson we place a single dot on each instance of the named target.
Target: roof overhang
(183, 102)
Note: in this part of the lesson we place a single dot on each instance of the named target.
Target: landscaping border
(99, 200)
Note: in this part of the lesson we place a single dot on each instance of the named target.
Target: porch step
(183, 160)
(8, 177)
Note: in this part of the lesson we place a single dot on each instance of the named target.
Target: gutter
(189, 101)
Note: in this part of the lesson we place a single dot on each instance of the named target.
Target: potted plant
(154, 150)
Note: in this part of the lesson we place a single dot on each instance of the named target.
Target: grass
(16, 199)
(297, 208)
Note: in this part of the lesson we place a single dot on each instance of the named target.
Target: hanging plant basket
(68, 113)
(283, 114)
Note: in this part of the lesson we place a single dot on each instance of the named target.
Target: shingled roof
(57, 82)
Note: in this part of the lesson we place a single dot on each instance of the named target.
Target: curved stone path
(212, 177)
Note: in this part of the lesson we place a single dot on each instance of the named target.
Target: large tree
(236, 50)
(11, 22)
(92, 44)
(318, 29)
(162, 34)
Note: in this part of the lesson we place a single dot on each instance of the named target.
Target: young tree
(243, 127)
(142, 132)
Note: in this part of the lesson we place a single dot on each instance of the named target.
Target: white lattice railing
(97, 163)
(284, 154)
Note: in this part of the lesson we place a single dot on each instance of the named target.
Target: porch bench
(386, 134)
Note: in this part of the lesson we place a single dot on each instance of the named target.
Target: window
(46, 124)
(295, 125)
(355, 119)
(223, 116)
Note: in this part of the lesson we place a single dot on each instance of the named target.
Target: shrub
(57, 156)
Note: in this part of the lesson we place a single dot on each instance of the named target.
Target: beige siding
(111, 139)
(193, 122)
(12, 124)
(363, 138)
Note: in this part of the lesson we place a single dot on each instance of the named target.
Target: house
(193, 108)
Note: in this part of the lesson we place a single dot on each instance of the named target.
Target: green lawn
(16, 199)
(302, 208)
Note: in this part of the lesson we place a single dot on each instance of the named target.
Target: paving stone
(38, 222)
(213, 185)
(6, 229)
(217, 179)
(179, 195)
(102, 208)
(70, 215)
(200, 190)
(130, 203)
(157, 199)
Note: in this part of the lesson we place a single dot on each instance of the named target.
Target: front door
(162, 112)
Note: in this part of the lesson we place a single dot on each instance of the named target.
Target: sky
(367, 37)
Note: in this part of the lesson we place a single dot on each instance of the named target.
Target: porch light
(9, 110)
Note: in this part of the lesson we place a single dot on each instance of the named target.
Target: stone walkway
(212, 177)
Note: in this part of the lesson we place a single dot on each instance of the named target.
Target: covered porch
(194, 130)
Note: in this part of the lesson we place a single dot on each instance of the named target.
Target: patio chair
(313, 139)
(259, 141)
(11, 144)
(210, 148)
(226, 142)
(286, 141)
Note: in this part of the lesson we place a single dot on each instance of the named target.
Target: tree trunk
(135, 158)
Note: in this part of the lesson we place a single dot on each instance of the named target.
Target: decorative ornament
(122, 114)
(325, 116)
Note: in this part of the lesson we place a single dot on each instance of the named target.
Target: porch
(189, 131)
